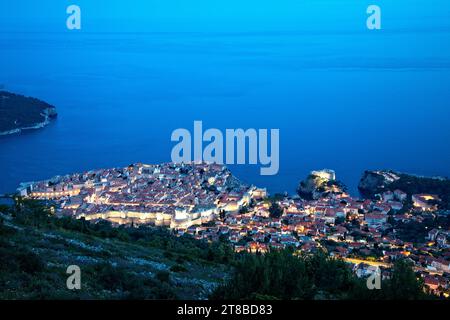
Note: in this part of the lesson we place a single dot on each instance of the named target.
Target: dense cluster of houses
(360, 231)
(174, 195)
(207, 202)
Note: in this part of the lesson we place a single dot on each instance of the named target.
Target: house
(432, 234)
(330, 215)
(355, 245)
(432, 283)
(441, 239)
(259, 193)
(400, 195)
(375, 220)
(395, 205)
(353, 210)
(340, 213)
(192, 230)
(254, 247)
(393, 255)
(384, 208)
(341, 251)
(441, 264)
(289, 241)
(234, 238)
(224, 230)
(387, 196)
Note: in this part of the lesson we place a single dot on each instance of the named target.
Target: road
(370, 263)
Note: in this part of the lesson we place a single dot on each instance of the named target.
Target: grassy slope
(110, 268)
(151, 263)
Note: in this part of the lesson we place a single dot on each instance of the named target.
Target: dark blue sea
(348, 101)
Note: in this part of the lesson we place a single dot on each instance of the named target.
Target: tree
(243, 210)
(278, 274)
(404, 284)
(275, 210)
(282, 275)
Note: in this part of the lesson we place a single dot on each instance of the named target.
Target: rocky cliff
(375, 182)
(320, 184)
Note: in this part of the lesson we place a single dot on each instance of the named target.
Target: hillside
(137, 263)
(18, 112)
(151, 263)
(374, 182)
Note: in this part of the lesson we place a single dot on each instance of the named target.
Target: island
(18, 112)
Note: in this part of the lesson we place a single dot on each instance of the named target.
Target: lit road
(370, 263)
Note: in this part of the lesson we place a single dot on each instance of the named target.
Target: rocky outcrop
(320, 184)
(373, 182)
(377, 182)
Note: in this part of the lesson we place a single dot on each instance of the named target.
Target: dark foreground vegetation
(116, 263)
(150, 263)
(281, 275)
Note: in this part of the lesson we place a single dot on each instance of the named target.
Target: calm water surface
(346, 101)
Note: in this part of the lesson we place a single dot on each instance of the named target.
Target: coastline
(38, 125)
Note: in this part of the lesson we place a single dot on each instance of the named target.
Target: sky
(220, 15)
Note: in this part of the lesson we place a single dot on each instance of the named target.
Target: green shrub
(178, 268)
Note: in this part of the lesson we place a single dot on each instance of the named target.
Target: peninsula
(18, 113)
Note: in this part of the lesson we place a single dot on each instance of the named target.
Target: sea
(347, 101)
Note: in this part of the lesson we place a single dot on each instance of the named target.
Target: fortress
(325, 174)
